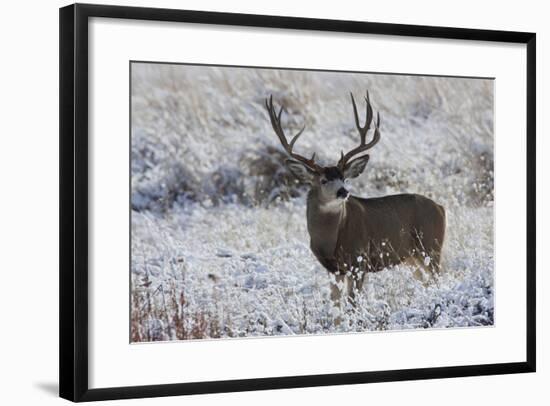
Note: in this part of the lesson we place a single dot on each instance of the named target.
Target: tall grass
(219, 240)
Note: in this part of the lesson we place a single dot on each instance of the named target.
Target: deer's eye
(324, 181)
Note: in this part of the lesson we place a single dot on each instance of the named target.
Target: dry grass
(219, 240)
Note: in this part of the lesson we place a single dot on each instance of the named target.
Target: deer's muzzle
(342, 193)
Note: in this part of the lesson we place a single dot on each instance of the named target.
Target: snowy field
(219, 240)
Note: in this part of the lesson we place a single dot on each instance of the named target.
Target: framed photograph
(256, 202)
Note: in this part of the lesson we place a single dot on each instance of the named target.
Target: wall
(29, 178)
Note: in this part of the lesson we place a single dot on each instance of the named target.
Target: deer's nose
(342, 193)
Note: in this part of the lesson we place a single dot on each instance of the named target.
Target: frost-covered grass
(219, 240)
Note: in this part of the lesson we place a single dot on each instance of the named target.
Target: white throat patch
(334, 206)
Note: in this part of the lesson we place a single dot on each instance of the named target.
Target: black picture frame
(73, 254)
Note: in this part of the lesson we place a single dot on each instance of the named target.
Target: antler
(362, 133)
(276, 124)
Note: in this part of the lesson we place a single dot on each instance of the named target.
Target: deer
(350, 235)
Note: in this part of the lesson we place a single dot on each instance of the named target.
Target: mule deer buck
(350, 235)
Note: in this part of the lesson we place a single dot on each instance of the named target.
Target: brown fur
(388, 230)
(367, 235)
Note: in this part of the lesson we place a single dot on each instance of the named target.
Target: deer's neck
(323, 223)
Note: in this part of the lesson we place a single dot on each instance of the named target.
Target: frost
(220, 246)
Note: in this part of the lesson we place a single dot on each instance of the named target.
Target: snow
(219, 237)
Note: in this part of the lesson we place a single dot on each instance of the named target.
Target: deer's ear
(302, 172)
(356, 167)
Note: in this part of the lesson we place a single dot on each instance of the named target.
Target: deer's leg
(435, 260)
(338, 287)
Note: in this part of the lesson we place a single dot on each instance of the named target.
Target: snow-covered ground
(219, 240)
